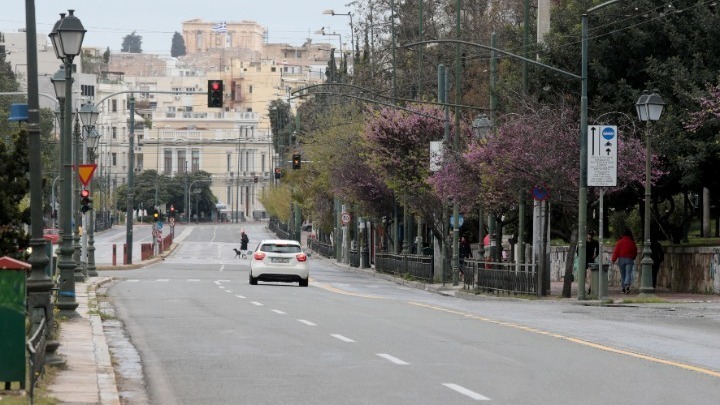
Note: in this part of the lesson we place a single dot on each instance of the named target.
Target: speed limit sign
(345, 218)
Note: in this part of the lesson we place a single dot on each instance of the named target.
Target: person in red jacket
(624, 254)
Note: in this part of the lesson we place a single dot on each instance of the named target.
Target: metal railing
(500, 277)
(417, 266)
(324, 249)
(36, 347)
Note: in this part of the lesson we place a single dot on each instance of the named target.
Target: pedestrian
(624, 254)
(592, 250)
(658, 256)
(244, 240)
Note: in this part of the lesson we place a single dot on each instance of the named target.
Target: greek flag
(220, 27)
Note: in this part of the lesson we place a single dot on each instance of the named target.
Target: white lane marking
(343, 338)
(163, 279)
(193, 279)
(462, 390)
(240, 296)
(221, 286)
(393, 359)
(277, 311)
(221, 281)
(132, 281)
(222, 267)
(228, 291)
(308, 323)
(256, 303)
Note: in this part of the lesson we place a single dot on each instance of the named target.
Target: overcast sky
(108, 21)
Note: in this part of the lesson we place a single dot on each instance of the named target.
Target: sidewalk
(88, 376)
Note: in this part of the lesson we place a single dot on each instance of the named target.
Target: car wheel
(304, 283)
(253, 280)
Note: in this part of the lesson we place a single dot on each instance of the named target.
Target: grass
(644, 300)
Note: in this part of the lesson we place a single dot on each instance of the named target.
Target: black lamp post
(66, 36)
(649, 107)
(39, 283)
(89, 115)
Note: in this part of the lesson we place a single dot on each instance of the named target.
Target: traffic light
(278, 173)
(296, 162)
(172, 210)
(156, 216)
(85, 201)
(215, 93)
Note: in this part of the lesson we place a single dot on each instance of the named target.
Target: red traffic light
(215, 86)
(85, 193)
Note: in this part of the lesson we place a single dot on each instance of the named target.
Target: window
(113, 105)
(195, 160)
(250, 89)
(229, 161)
(168, 161)
(114, 132)
(262, 163)
(199, 40)
(114, 159)
(87, 90)
(182, 162)
(272, 69)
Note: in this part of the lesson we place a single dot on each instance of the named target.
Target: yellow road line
(641, 356)
(339, 291)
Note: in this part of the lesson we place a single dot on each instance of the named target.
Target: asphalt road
(206, 336)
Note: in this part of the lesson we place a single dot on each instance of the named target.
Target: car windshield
(280, 248)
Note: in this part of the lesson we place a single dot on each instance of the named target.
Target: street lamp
(89, 115)
(481, 127)
(352, 31)
(649, 107)
(67, 36)
(321, 31)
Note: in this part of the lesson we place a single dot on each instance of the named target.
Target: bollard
(114, 254)
(125, 253)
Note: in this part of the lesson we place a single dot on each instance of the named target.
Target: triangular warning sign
(85, 173)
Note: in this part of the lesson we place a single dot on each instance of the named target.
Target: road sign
(461, 220)
(159, 225)
(540, 192)
(172, 221)
(602, 155)
(85, 173)
(155, 233)
(345, 218)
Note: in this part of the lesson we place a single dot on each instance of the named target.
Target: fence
(417, 266)
(324, 249)
(500, 277)
(280, 229)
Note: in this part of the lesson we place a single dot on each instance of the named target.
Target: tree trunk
(567, 280)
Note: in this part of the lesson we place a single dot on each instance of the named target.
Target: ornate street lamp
(89, 115)
(649, 107)
(67, 36)
(481, 127)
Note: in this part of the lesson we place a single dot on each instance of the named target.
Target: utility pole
(131, 181)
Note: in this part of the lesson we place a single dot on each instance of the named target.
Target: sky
(108, 21)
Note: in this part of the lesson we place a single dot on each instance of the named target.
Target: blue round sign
(608, 133)
(540, 192)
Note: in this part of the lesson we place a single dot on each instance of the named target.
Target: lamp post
(481, 126)
(66, 36)
(352, 32)
(582, 198)
(89, 115)
(322, 32)
(649, 107)
(39, 283)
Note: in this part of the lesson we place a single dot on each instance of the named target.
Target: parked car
(279, 260)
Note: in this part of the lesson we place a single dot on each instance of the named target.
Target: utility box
(12, 320)
(594, 277)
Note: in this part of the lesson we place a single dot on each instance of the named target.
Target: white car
(279, 260)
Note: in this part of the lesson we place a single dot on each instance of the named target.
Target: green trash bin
(12, 320)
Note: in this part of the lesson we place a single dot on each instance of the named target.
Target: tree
(132, 43)
(178, 45)
(106, 56)
(14, 201)
(281, 124)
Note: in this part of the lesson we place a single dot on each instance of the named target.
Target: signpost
(602, 172)
(345, 218)
(602, 156)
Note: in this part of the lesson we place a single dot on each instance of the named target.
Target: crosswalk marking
(392, 359)
(277, 311)
(308, 323)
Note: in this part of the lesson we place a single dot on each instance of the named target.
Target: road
(206, 336)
